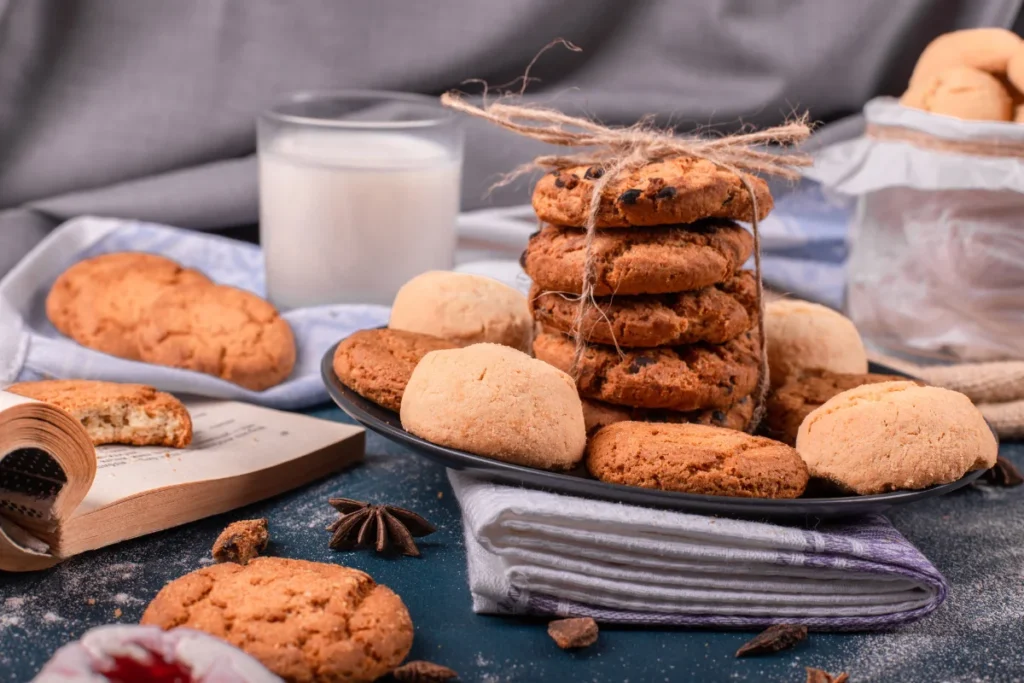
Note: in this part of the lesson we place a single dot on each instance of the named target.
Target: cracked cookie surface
(305, 621)
(661, 260)
(377, 364)
(597, 415)
(220, 331)
(679, 378)
(671, 191)
(714, 314)
(693, 458)
(99, 302)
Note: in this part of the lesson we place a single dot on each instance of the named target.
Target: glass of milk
(359, 192)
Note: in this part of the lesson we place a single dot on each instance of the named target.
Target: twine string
(619, 150)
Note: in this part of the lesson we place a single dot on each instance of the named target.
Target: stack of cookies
(668, 287)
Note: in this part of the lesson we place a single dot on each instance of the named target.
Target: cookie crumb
(440, 495)
(241, 541)
(423, 672)
(117, 612)
(90, 601)
(573, 633)
(819, 676)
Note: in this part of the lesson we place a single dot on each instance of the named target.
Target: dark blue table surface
(975, 537)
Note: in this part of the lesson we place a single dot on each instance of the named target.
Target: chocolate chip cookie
(597, 414)
(679, 378)
(305, 621)
(788, 405)
(696, 459)
(671, 191)
(714, 314)
(377, 364)
(659, 260)
(99, 302)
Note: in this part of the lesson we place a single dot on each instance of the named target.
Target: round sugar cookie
(962, 92)
(808, 336)
(985, 49)
(497, 402)
(895, 435)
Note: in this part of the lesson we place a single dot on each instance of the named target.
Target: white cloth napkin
(534, 552)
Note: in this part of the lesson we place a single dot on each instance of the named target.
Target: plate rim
(777, 507)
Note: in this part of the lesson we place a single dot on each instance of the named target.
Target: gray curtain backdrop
(146, 108)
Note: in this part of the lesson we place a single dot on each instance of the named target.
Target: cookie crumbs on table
(420, 671)
(819, 676)
(573, 633)
(773, 639)
(241, 541)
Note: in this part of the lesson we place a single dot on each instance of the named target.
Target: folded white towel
(534, 552)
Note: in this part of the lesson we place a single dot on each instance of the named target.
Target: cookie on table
(497, 402)
(221, 331)
(692, 458)
(463, 308)
(132, 414)
(895, 435)
(660, 260)
(985, 49)
(305, 621)
(678, 190)
(597, 415)
(788, 405)
(963, 92)
(679, 378)
(98, 302)
(377, 364)
(807, 336)
(714, 314)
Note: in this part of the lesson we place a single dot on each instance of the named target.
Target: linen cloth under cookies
(538, 553)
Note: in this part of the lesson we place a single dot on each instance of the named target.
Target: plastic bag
(936, 264)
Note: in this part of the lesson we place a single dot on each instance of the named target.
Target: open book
(60, 496)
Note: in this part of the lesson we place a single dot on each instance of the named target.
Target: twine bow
(619, 150)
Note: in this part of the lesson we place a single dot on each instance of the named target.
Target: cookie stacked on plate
(668, 285)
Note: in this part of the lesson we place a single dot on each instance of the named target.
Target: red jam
(127, 670)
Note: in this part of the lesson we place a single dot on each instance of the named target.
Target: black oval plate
(579, 483)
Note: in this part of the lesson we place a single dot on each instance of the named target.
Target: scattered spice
(241, 541)
(819, 676)
(423, 672)
(773, 639)
(386, 526)
(573, 633)
(1003, 474)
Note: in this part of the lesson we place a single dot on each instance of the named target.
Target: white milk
(350, 216)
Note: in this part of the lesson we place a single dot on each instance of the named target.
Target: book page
(9, 400)
(229, 439)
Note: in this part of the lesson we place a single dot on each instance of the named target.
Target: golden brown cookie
(714, 314)
(660, 260)
(696, 459)
(807, 336)
(497, 402)
(377, 364)
(895, 435)
(788, 405)
(679, 378)
(962, 92)
(98, 302)
(985, 49)
(305, 621)
(672, 191)
(597, 414)
(132, 414)
(463, 307)
(221, 331)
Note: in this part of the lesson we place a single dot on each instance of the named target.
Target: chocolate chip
(522, 260)
(718, 416)
(644, 361)
(593, 173)
(666, 193)
(632, 369)
(572, 182)
(629, 196)
(561, 183)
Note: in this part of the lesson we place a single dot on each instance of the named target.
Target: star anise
(362, 525)
(1003, 474)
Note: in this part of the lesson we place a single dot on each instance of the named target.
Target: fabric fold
(540, 553)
